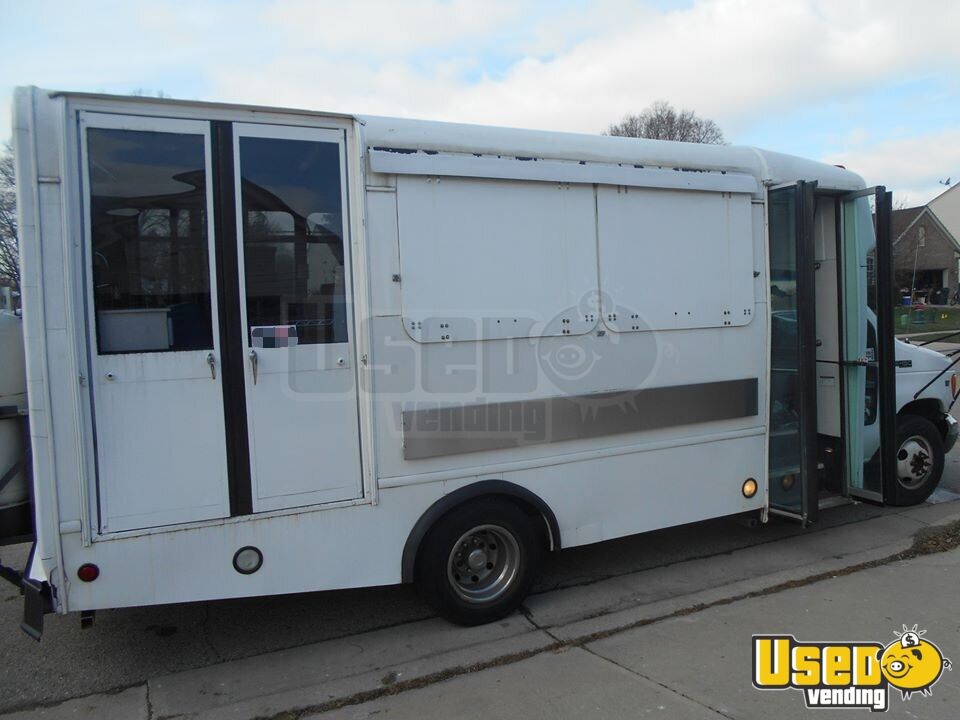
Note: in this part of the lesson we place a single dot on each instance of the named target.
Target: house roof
(903, 221)
(946, 208)
(946, 192)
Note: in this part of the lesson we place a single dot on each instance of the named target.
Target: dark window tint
(872, 386)
(785, 428)
(151, 273)
(292, 241)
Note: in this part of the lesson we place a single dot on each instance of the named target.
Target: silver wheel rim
(914, 462)
(483, 564)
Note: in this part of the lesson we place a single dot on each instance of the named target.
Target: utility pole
(913, 280)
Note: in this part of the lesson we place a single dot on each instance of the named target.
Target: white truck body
(581, 323)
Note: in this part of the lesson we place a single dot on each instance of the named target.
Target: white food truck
(275, 351)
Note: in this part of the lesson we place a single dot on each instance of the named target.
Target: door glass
(151, 272)
(785, 425)
(873, 380)
(292, 242)
(862, 391)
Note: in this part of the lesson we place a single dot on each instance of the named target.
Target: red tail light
(88, 572)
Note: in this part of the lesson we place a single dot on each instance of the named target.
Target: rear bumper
(953, 429)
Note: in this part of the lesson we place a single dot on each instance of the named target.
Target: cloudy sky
(872, 85)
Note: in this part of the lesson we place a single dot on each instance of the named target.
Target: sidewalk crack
(525, 611)
(205, 634)
(666, 687)
(148, 701)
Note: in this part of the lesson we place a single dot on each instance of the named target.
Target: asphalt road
(127, 646)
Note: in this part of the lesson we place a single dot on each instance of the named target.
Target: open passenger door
(793, 402)
(867, 359)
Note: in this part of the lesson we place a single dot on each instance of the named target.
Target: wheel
(478, 562)
(919, 461)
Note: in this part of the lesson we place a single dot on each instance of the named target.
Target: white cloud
(911, 166)
(380, 28)
(530, 63)
(728, 59)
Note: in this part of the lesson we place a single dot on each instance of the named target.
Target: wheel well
(528, 501)
(928, 408)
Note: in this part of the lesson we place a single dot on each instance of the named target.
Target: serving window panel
(487, 259)
(673, 259)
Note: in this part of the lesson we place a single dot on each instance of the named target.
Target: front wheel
(920, 460)
(479, 561)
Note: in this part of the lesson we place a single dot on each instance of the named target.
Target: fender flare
(461, 495)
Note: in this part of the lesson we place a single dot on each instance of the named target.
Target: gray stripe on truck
(451, 430)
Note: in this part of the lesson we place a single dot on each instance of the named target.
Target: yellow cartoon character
(911, 664)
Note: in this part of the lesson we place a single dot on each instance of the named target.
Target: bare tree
(661, 121)
(9, 252)
(9, 237)
(143, 92)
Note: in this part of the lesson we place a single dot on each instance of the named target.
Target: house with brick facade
(926, 252)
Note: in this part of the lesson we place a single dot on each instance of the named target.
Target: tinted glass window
(293, 241)
(785, 428)
(151, 273)
(870, 404)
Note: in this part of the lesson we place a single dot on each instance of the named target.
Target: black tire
(919, 461)
(499, 534)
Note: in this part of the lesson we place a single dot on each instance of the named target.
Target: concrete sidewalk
(699, 665)
(673, 640)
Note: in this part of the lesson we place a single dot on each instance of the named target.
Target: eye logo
(848, 674)
(912, 664)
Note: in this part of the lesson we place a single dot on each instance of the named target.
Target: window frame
(92, 119)
(320, 359)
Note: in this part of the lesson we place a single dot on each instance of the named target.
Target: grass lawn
(931, 319)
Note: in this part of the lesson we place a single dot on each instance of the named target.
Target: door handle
(212, 362)
(859, 362)
(253, 364)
